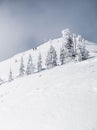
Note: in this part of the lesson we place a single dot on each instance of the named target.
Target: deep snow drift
(62, 98)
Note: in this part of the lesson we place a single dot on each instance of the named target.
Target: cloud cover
(27, 23)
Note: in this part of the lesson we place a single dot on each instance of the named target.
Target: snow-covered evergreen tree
(74, 43)
(85, 52)
(80, 47)
(51, 59)
(79, 44)
(1, 81)
(62, 55)
(39, 63)
(66, 33)
(78, 55)
(10, 76)
(30, 67)
(68, 43)
(21, 70)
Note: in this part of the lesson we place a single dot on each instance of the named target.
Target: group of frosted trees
(51, 59)
(29, 69)
(73, 49)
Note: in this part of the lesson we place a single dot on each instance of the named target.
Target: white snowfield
(62, 98)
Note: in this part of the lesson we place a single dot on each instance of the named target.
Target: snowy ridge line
(55, 52)
(57, 89)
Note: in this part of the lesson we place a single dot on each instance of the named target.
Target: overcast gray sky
(28, 23)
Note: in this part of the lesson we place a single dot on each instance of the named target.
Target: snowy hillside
(14, 62)
(62, 98)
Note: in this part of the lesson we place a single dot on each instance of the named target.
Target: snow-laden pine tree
(85, 52)
(21, 70)
(51, 59)
(74, 43)
(68, 44)
(78, 55)
(1, 81)
(80, 48)
(79, 43)
(39, 63)
(10, 76)
(30, 67)
(62, 55)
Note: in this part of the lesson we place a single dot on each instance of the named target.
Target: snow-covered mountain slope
(14, 62)
(62, 98)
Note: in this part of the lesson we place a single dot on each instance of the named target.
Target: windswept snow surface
(62, 98)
